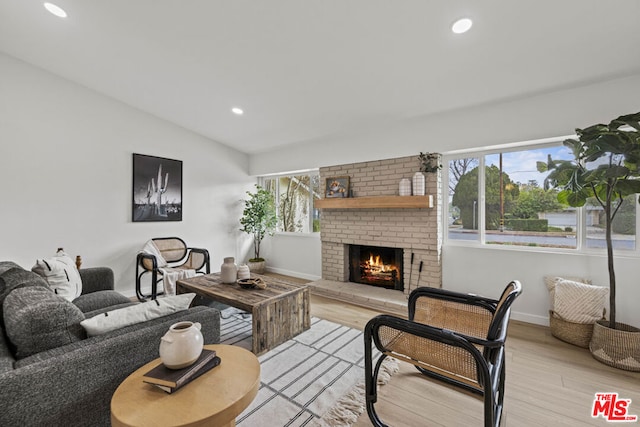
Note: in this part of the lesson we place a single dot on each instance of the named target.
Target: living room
(68, 143)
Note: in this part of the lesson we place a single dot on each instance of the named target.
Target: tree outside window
(295, 196)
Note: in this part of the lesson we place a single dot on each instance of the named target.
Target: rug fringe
(352, 405)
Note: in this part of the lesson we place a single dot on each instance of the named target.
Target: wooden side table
(214, 399)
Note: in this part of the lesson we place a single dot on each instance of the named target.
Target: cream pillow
(550, 282)
(578, 302)
(61, 274)
(121, 317)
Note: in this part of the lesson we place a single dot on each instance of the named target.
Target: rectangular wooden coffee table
(279, 312)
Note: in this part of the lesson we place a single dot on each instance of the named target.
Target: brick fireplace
(413, 230)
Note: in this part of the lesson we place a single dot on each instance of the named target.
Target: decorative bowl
(252, 283)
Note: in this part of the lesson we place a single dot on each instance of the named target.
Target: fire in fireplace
(377, 266)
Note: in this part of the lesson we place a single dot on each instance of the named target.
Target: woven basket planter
(619, 348)
(574, 333)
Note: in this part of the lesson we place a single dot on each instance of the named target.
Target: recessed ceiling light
(461, 25)
(238, 111)
(56, 10)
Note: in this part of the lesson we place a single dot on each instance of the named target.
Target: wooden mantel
(376, 202)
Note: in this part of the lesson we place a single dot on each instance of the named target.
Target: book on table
(172, 379)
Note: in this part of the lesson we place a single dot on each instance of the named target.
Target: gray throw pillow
(36, 320)
(99, 300)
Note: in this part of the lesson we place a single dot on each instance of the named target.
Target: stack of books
(171, 380)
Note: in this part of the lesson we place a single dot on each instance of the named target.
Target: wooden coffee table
(214, 399)
(279, 312)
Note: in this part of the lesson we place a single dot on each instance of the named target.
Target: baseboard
(530, 318)
(293, 273)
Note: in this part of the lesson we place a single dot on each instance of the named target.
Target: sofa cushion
(98, 300)
(6, 265)
(17, 277)
(138, 313)
(36, 320)
(61, 274)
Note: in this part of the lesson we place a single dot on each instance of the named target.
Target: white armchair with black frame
(164, 255)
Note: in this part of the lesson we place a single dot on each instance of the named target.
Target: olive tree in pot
(606, 168)
(258, 220)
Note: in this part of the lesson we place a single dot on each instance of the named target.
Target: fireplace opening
(377, 266)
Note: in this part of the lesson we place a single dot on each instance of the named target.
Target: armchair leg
(371, 378)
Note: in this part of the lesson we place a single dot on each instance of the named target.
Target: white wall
(294, 255)
(541, 116)
(486, 271)
(66, 173)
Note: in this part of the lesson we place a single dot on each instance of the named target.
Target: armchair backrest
(173, 249)
(500, 319)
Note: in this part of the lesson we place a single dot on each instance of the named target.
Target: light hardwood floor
(549, 382)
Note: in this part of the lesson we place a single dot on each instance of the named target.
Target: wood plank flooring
(549, 382)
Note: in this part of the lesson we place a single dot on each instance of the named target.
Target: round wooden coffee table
(214, 399)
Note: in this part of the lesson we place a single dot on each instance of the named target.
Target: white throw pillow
(61, 274)
(551, 281)
(119, 318)
(578, 302)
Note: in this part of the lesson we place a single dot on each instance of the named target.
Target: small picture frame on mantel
(337, 187)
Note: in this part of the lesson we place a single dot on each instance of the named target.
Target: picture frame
(156, 189)
(337, 187)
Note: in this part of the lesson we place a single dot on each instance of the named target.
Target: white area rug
(314, 379)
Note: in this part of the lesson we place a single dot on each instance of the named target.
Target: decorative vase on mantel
(418, 184)
(404, 188)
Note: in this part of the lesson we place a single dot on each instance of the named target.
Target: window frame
(480, 241)
(276, 177)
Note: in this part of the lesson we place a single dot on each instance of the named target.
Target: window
(499, 198)
(294, 196)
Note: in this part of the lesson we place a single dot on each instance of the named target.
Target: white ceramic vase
(404, 188)
(418, 184)
(181, 345)
(244, 272)
(229, 271)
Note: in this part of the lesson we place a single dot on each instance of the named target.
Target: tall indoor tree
(606, 167)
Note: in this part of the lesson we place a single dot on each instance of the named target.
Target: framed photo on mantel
(337, 187)
(157, 189)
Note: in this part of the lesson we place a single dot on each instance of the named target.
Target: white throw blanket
(170, 275)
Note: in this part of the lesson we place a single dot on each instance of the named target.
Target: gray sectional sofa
(51, 373)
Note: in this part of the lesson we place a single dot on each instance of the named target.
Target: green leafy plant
(258, 218)
(606, 167)
(429, 162)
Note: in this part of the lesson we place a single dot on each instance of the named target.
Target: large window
(295, 195)
(499, 198)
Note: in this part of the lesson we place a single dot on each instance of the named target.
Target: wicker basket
(619, 348)
(574, 333)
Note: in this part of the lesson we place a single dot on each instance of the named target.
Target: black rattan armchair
(453, 337)
(175, 252)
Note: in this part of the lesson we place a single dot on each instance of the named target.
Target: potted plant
(258, 220)
(606, 168)
(429, 162)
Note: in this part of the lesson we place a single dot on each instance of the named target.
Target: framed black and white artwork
(157, 189)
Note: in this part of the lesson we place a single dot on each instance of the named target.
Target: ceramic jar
(181, 345)
(418, 184)
(405, 187)
(244, 272)
(228, 271)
